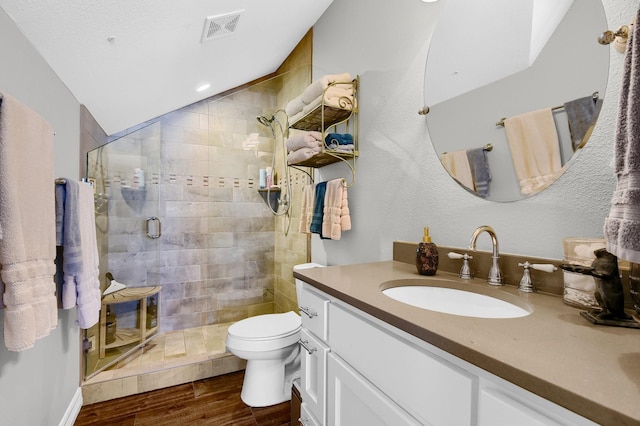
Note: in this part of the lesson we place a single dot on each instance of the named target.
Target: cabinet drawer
(313, 311)
(431, 389)
(352, 400)
(306, 418)
(314, 379)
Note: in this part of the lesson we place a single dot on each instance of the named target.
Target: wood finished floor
(214, 401)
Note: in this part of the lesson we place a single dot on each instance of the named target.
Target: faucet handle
(465, 271)
(525, 283)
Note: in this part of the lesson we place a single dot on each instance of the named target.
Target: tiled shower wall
(215, 258)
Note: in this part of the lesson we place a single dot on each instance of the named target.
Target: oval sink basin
(454, 301)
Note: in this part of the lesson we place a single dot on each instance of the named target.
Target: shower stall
(178, 206)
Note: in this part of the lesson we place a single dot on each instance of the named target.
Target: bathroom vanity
(369, 359)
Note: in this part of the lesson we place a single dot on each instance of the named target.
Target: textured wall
(401, 185)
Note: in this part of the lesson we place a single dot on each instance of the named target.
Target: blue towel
(479, 170)
(318, 209)
(332, 140)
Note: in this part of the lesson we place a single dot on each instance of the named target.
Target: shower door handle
(158, 232)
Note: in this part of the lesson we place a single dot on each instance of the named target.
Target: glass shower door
(126, 176)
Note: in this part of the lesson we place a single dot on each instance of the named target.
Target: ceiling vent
(220, 25)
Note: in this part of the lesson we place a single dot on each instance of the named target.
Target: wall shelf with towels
(339, 116)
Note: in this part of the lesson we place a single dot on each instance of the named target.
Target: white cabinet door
(314, 379)
(353, 401)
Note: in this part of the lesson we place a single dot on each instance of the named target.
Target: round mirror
(514, 88)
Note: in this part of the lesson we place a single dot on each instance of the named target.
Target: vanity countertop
(553, 352)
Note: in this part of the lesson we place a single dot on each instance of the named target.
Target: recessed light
(203, 87)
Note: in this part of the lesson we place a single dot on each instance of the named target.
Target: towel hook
(620, 37)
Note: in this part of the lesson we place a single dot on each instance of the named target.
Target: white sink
(455, 301)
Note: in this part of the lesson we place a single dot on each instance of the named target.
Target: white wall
(401, 185)
(38, 385)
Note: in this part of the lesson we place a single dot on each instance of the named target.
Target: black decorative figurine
(609, 291)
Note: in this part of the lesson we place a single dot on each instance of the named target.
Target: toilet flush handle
(307, 311)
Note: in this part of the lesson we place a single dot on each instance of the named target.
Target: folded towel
(27, 249)
(622, 226)
(79, 262)
(581, 115)
(342, 148)
(480, 172)
(334, 97)
(302, 154)
(318, 209)
(294, 106)
(304, 140)
(335, 217)
(457, 164)
(306, 210)
(315, 89)
(334, 139)
(535, 149)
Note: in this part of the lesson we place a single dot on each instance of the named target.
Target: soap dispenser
(427, 255)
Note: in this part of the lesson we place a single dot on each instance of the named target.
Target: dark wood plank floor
(214, 401)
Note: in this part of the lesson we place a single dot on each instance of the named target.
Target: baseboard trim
(73, 409)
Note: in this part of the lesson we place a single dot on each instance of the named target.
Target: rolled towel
(294, 106)
(334, 97)
(316, 88)
(332, 140)
(300, 155)
(304, 140)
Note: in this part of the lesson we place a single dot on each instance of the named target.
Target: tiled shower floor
(169, 359)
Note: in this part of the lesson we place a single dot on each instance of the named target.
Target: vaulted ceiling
(128, 61)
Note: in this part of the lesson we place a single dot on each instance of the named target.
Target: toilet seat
(266, 327)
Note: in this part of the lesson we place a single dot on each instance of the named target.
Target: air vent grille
(220, 25)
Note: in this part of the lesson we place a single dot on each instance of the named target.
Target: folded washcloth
(294, 106)
(480, 172)
(315, 89)
(457, 164)
(334, 139)
(622, 226)
(28, 246)
(535, 149)
(336, 210)
(581, 115)
(304, 140)
(302, 154)
(306, 210)
(342, 148)
(81, 285)
(318, 208)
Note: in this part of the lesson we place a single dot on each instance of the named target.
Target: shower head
(265, 121)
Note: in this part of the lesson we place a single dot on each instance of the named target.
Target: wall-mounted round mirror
(514, 88)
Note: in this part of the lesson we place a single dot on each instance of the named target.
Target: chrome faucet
(495, 276)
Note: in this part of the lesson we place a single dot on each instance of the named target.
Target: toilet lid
(266, 326)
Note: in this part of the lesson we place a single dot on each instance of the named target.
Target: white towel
(622, 226)
(81, 285)
(535, 149)
(27, 249)
(315, 89)
(457, 164)
(294, 106)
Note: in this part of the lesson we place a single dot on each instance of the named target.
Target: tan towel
(306, 211)
(535, 149)
(457, 164)
(28, 248)
(336, 216)
(304, 140)
(302, 154)
(315, 89)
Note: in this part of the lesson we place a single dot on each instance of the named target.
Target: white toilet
(269, 343)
